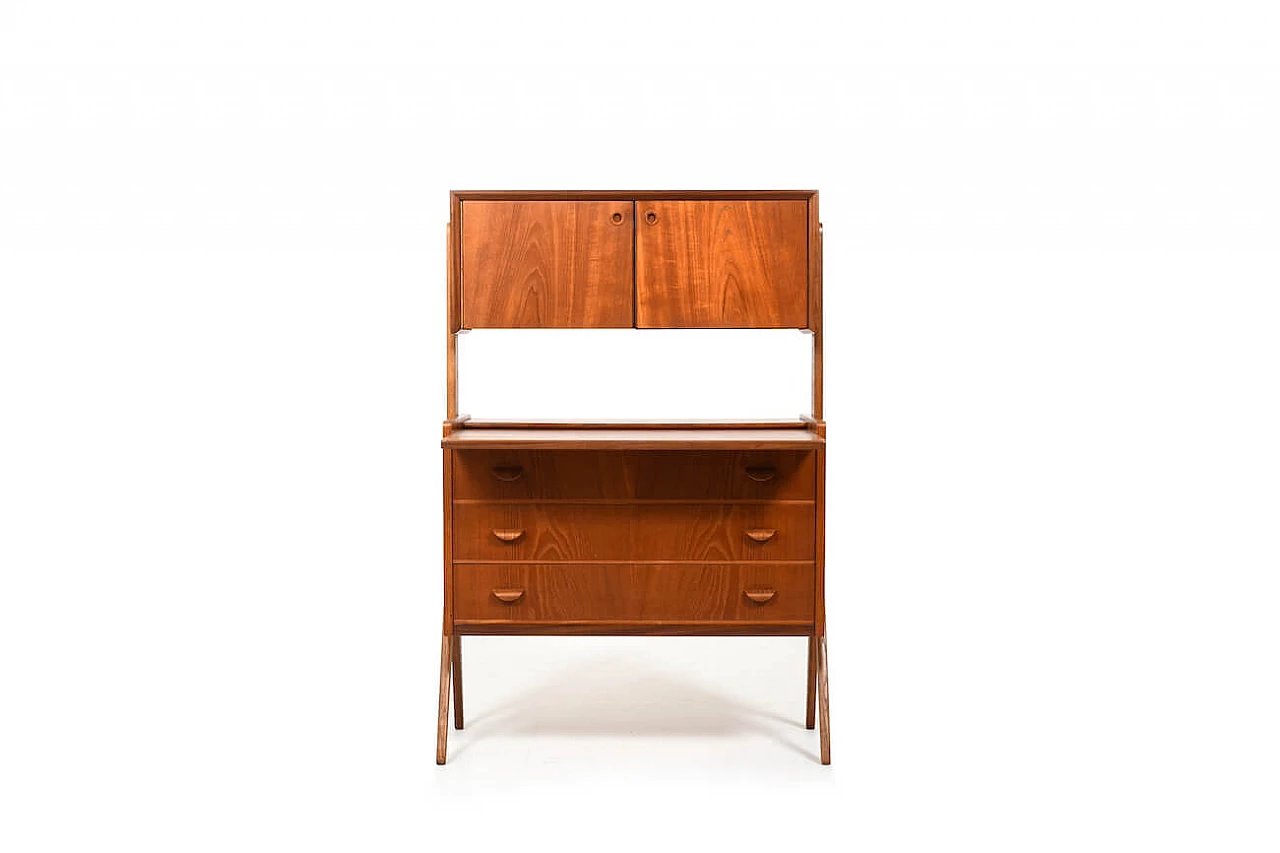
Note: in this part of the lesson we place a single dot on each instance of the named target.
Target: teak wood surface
(662, 592)
(634, 528)
(722, 264)
(633, 439)
(561, 475)
(547, 264)
(511, 532)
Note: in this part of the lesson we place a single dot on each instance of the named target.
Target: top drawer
(653, 474)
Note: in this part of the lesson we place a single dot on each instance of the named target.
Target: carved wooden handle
(508, 473)
(760, 596)
(761, 473)
(762, 534)
(509, 596)
(509, 535)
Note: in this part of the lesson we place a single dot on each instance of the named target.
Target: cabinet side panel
(448, 540)
(820, 544)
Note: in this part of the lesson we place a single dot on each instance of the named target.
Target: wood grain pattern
(811, 682)
(722, 264)
(442, 721)
(658, 531)
(635, 528)
(820, 538)
(824, 704)
(447, 466)
(456, 644)
(637, 593)
(633, 439)
(643, 475)
(547, 264)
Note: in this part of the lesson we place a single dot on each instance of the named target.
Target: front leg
(442, 724)
(824, 704)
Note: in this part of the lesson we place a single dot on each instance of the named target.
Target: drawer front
(649, 475)
(621, 592)
(541, 532)
(522, 474)
(659, 531)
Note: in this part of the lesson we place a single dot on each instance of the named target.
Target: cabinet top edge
(632, 439)
(630, 195)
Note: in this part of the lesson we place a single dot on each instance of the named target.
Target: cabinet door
(715, 264)
(531, 264)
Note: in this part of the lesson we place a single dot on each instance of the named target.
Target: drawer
(522, 474)
(548, 532)
(653, 475)
(630, 592)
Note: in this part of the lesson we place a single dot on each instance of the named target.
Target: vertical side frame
(815, 301)
(453, 236)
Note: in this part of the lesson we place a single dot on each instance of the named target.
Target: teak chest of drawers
(703, 528)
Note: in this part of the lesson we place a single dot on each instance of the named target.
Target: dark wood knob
(760, 596)
(508, 596)
(508, 473)
(509, 535)
(761, 473)
(761, 534)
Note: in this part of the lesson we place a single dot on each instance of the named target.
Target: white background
(1053, 289)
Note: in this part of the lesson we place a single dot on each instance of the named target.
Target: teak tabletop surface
(632, 439)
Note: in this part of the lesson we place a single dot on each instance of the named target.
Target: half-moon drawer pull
(510, 596)
(509, 535)
(508, 473)
(761, 473)
(762, 534)
(760, 596)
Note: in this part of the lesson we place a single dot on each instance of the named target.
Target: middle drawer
(545, 532)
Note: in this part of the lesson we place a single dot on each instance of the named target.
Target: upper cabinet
(722, 264)
(661, 260)
(559, 264)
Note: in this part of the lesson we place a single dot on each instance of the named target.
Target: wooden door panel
(722, 264)
(547, 264)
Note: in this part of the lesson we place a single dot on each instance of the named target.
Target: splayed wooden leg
(457, 681)
(442, 724)
(811, 684)
(824, 704)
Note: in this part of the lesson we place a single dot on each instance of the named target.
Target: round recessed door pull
(509, 535)
(761, 473)
(651, 217)
(508, 473)
(760, 596)
(761, 534)
(508, 596)
(617, 218)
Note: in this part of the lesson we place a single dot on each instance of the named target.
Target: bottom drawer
(673, 592)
